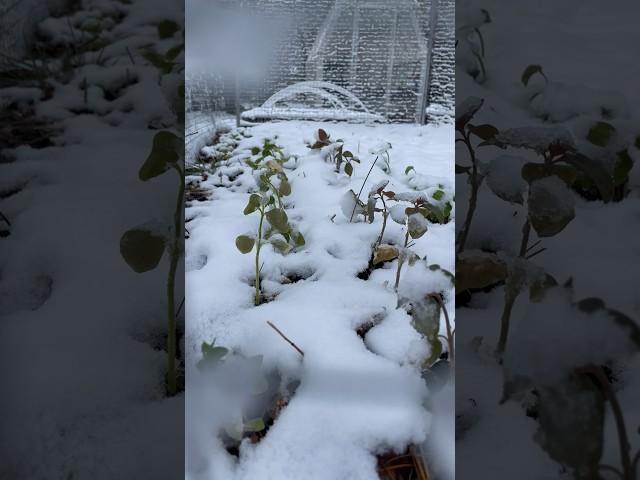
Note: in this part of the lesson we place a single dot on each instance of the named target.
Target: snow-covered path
(358, 395)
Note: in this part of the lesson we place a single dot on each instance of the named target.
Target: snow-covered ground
(358, 390)
(81, 334)
(590, 78)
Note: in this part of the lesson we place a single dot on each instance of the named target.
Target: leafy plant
(268, 203)
(383, 152)
(142, 247)
(470, 45)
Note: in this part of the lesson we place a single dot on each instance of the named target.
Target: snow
(357, 397)
(577, 46)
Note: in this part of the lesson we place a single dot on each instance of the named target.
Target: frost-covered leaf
(211, 355)
(438, 194)
(538, 139)
(384, 253)
(551, 206)
(273, 165)
(600, 133)
(536, 171)
(142, 249)
(398, 215)
(479, 271)
(529, 72)
(299, 240)
(466, 110)
(244, 243)
(350, 205)
(417, 225)
(280, 245)
(165, 153)
(378, 188)
(504, 178)
(371, 209)
(278, 220)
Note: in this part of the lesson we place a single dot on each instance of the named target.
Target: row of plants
(586, 155)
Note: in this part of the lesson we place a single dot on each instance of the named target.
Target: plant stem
(401, 261)
(473, 199)
(511, 296)
(625, 457)
(258, 244)
(450, 338)
(362, 188)
(175, 252)
(385, 214)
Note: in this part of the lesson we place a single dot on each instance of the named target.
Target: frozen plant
(382, 151)
(334, 151)
(470, 48)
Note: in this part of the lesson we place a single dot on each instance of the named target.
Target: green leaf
(279, 220)
(211, 355)
(255, 150)
(622, 167)
(165, 153)
(536, 171)
(347, 154)
(245, 243)
(285, 188)
(528, 73)
(550, 206)
(173, 52)
(167, 28)
(280, 245)
(594, 170)
(142, 249)
(408, 169)
(255, 425)
(600, 133)
(438, 194)
(348, 169)
(157, 61)
(299, 239)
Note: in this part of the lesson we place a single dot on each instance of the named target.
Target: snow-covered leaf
(384, 253)
(164, 154)
(551, 206)
(397, 214)
(529, 72)
(504, 178)
(466, 110)
(278, 220)
(417, 225)
(351, 206)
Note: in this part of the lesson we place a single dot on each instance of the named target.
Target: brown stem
(473, 199)
(285, 338)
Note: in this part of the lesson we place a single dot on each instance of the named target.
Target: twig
(5, 218)
(362, 188)
(285, 338)
(133, 62)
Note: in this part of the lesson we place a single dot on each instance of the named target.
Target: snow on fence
(395, 56)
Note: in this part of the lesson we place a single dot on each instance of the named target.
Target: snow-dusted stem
(450, 332)
(172, 342)
(401, 260)
(385, 214)
(628, 467)
(258, 245)
(473, 199)
(362, 188)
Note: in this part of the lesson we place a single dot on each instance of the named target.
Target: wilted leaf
(595, 171)
(255, 425)
(142, 249)
(299, 239)
(279, 220)
(479, 272)
(284, 189)
(245, 243)
(371, 209)
(485, 131)
(254, 203)
(536, 171)
(322, 135)
(384, 253)
(165, 153)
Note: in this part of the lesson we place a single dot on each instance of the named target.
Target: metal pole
(426, 80)
(237, 98)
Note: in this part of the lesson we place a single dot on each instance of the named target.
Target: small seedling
(383, 152)
(334, 152)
